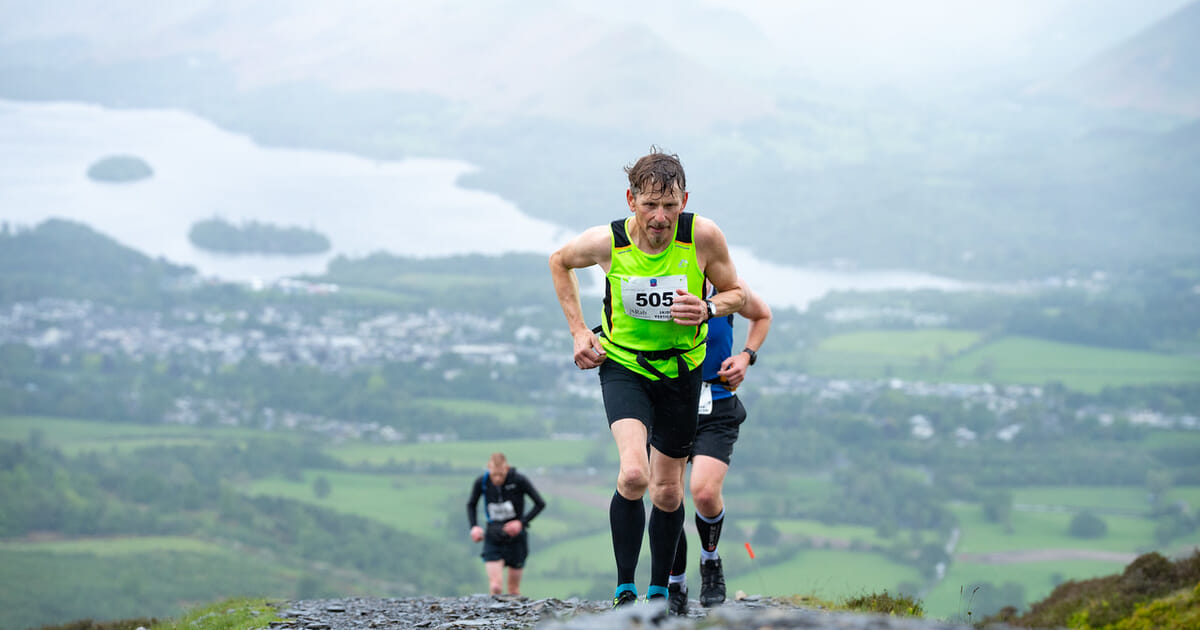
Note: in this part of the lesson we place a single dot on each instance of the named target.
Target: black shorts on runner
(512, 551)
(717, 432)
(667, 407)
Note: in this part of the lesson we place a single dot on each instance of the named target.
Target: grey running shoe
(624, 598)
(677, 601)
(712, 583)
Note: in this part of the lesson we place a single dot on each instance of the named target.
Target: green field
(1099, 499)
(964, 356)
(76, 436)
(826, 574)
(1048, 530)
(417, 503)
(131, 583)
(1033, 361)
(116, 546)
(528, 455)
(951, 598)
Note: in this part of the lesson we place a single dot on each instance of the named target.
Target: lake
(411, 207)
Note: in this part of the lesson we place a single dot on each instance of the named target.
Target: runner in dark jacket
(505, 540)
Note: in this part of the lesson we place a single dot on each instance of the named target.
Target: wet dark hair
(656, 172)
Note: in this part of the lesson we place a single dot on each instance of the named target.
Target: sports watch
(753, 355)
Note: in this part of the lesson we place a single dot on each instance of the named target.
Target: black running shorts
(512, 550)
(717, 432)
(667, 407)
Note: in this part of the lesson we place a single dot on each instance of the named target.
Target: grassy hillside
(971, 357)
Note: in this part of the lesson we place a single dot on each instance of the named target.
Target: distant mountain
(59, 258)
(1156, 71)
(494, 61)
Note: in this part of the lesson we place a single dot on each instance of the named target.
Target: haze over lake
(412, 207)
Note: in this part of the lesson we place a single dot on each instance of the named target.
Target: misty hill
(60, 258)
(481, 58)
(1158, 70)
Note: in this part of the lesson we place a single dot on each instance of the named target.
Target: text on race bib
(650, 298)
(503, 511)
(705, 406)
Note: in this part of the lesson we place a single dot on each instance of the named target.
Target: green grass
(1025, 360)
(569, 568)
(907, 345)
(231, 614)
(944, 601)
(1048, 530)
(125, 545)
(801, 528)
(951, 355)
(415, 503)
(507, 414)
(1099, 498)
(527, 455)
(53, 588)
(78, 436)
(822, 573)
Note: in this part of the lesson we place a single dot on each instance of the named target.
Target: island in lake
(119, 169)
(252, 237)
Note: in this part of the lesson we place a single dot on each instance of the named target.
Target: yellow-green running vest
(637, 329)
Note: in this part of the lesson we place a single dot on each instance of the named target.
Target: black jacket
(503, 503)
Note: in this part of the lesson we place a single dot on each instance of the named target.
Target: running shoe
(712, 583)
(677, 601)
(624, 598)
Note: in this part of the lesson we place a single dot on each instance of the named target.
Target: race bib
(501, 511)
(705, 399)
(650, 298)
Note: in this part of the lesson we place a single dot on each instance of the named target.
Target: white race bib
(501, 511)
(650, 298)
(705, 399)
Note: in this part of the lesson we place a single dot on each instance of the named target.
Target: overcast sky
(880, 40)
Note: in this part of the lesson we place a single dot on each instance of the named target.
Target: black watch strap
(753, 355)
(710, 310)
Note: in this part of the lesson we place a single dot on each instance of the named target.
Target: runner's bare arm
(592, 247)
(758, 312)
(734, 367)
(713, 253)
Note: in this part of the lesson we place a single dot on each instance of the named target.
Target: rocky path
(499, 613)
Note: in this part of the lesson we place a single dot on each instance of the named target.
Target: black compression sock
(679, 567)
(628, 522)
(665, 528)
(709, 530)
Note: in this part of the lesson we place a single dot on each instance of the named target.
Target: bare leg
(708, 478)
(494, 570)
(514, 581)
(634, 475)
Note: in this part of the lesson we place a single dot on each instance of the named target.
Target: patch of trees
(253, 237)
(66, 259)
(1087, 524)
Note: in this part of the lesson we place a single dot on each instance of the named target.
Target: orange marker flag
(750, 550)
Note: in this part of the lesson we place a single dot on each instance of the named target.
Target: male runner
(721, 414)
(649, 350)
(506, 541)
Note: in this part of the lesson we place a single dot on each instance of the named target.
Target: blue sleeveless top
(720, 347)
